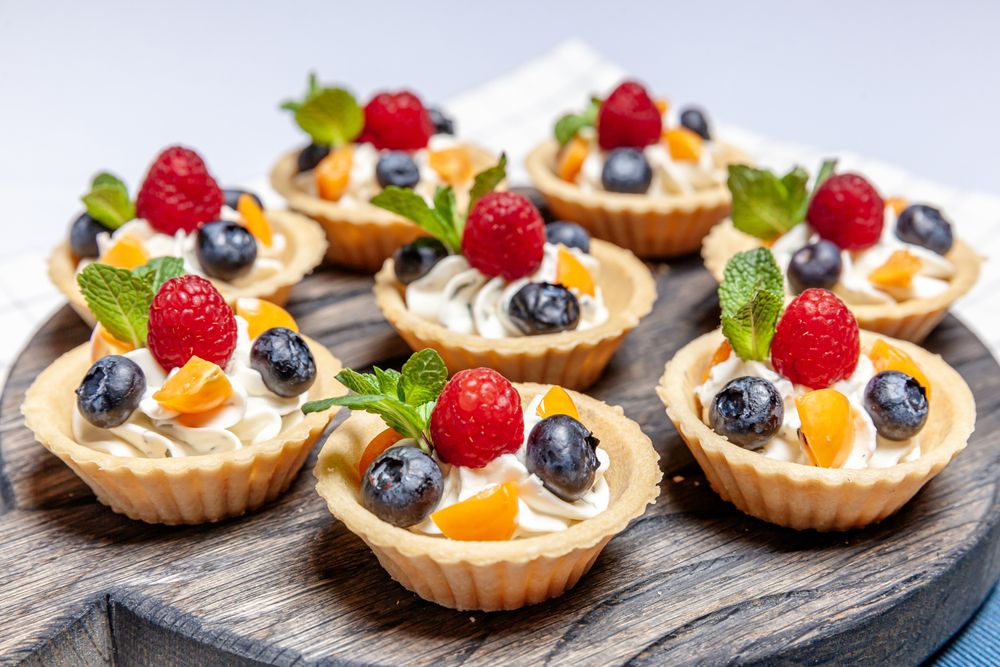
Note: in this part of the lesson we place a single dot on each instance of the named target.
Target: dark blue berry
(402, 486)
(897, 404)
(110, 391)
(397, 168)
(414, 260)
(311, 156)
(748, 411)
(537, 200)
(83, 236)
(694, 119)
(815, 265)
(232, 197)
(226, 250)
(924, 226)
(284, 361)
(569, 234)
(563, 453)
(543, 308)
(626, 170)
(443, 124)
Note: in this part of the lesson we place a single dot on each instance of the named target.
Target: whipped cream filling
(539, 510)
(870, 450)
(464, 300)
(253, 414)
(854, 286)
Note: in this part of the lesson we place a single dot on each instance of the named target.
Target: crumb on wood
(678, 479)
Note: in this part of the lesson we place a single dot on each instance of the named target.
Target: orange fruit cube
(886, 357)
(557, 401)
(126, 253)
(453, 165)
(661, 104)
(102, 343)
(898, 270)
(379, 444)
(898, 204)
(683, 144)
(490, 515)
(721, 354)
(571, 273)
(199, 386)
(572, 157)
(254, 220)
(827, 430)
(262, 315)
(334, 172)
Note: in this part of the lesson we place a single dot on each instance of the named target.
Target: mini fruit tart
(476, 493)
(184, 411)
(636, 173)
(497, 287)
(354, 153)
(224, 235)
(896, 265)
(803, 420)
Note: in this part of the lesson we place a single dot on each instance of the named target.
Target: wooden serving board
(693, 580)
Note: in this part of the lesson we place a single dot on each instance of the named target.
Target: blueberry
(924, 226)
(232, 197)
(537, 200)
(414, 260)
(110, 391)
(748, 411)
(695, 120)
(442, 124)
(397, 168)
(226, 250)
(402, 486)
(897, 404)
(543, 308)
(284, 362)
(626, 170)
(569, 234)
(311, 156)
(563, 453)
(83, 236)
(815, 265)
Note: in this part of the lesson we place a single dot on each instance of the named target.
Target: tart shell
(304, 253)
(802, 496)
(572, 359)
(910, 320)
(494, 575)
(184, 490)
(649, 226)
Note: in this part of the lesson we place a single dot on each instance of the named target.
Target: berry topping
(897, 271)
(374, 449)
(443, 124)
(453, 165)
(562, 452)
(683, 144)
(569, 234)
(748, 411)
(477, 418)
(199, 386)
(83, 236)
(254, 219)
(504, 236)
(231, 198)
(815, 265)
(397, 121)
(924, 226)
(543, 308)
(414, 260)
(572, 274)
(397, 168)
(334, 172)
(188, 317)
(226, 250)
(490, 515)
(110, 391)
(847, 210)
(284, 362)
(887, 357)
(126, 253)
(311, 156)
(557, 402)
(695, 120)
(628, 117)
(402, 486)
(626, 170)
(178, 193)
(262, 315)
(827, 431)
(816, 342)
(897, 405)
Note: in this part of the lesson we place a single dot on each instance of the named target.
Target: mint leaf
(108, 201)
(765, 206)
(331, 116)
(359, 383)
(751, 328)
(408, 204)
(446, 210)
(825, 171)
(162, 269)
(745, 272)
(119, 300)
(388, 381)
(487, 180)
(569, 124)
(424, 377)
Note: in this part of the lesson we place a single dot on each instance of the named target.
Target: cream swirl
(539, 510)
(253, 414)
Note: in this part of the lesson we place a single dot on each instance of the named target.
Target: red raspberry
(189, 317)
(397, 121)
(178, 192)
(817, 341)
(477, 418)
(504, 236)
(628, 117)
(848, 211)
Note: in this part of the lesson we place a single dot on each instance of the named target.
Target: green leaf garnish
(108, 201)
(487, 180)
(826, 170)
(569, 124)
(119, 299)
(764, 205)
(423, 378)
(329, 115)
(752, 296)
(162, 270)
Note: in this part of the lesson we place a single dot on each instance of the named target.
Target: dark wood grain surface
(692, 581)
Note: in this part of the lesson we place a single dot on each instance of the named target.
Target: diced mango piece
(572, 157)
(898, 204)
(557, 401)
(886, 357)
(379, 444)
(262, 315)
(199, 386)
(683, 144)
(254, 220)
(333, 173)
(827, 430)
(898, 270)
(721, 354)
(571, 273)
(490, 515)
(102, 343)
(453, 165)
(661, 104)
(126, 253)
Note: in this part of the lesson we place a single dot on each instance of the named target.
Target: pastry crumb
(678, 479)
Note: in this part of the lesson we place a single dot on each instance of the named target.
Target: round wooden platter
(693, 580)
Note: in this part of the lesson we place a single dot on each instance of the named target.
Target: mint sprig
(569, 124)
(752, 296)
(108, 201)
(331, 116)
(162, 269)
